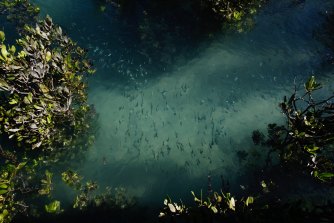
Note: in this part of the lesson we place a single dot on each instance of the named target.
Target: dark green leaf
(4, 85)
(2, 37)
(53, 207)
(3, 191)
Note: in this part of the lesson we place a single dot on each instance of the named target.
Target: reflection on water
(164, 133)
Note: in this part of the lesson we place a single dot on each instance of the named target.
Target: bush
(43, 95)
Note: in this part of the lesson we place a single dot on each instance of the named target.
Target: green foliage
(234, 10)
(2, 37)
(86, 197)
(44, 112)
(18, 184)
(46, 184)
(44, 102)
(219, 204)
(19, 12)
(117, 198)
(53, 207)
(306, 143)
(310, 133)
(71, 179)
(8, 186)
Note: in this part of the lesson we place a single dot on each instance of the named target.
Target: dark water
(170, 117)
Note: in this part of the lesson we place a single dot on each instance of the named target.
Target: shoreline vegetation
(47, 124)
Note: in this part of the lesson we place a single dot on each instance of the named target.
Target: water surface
(164, 127)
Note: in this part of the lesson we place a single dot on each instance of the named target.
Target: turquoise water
(168, 122)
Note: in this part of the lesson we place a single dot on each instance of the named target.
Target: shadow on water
(135, 45)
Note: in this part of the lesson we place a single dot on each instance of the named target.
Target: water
(165, 126)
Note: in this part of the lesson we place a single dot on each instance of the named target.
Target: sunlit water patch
(164, 135)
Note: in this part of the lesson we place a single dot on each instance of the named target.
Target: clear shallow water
(164, 132)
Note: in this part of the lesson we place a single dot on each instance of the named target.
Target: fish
(104, 160)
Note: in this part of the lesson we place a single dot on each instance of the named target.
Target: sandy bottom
(166, 136)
